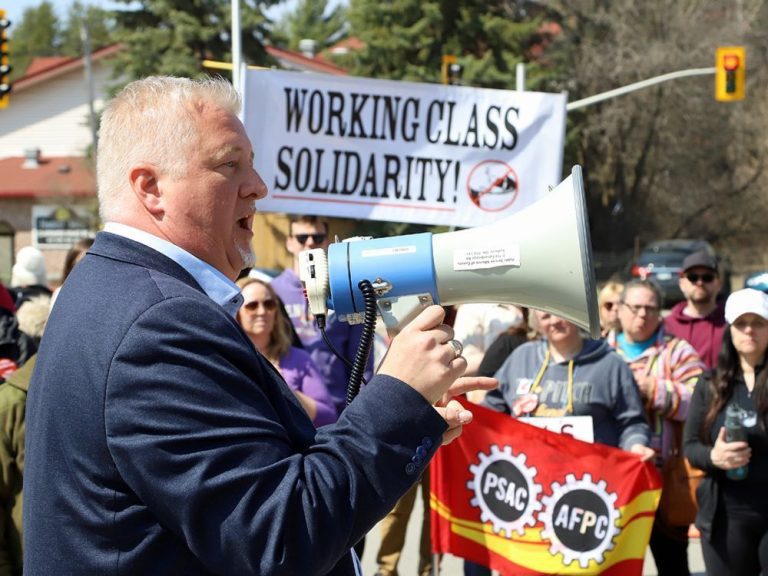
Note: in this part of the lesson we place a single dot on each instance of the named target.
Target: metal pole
(243, 91)
(237, 55)
(639, 86)
(520, 77)
(85, 38)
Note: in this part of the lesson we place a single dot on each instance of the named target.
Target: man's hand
(453, 412)
(421, 357)
(729, 455)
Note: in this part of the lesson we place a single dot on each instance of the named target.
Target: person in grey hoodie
(565, 374)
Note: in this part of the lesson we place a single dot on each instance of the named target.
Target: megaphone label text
(391, 251)
(489, 257)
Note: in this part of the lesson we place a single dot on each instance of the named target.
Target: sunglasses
(269, 305)
(316, 238)
(610, 305)
(635, 309)
(707, 277)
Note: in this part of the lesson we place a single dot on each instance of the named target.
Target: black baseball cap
(700, 258)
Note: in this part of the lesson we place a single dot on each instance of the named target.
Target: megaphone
(540, 257)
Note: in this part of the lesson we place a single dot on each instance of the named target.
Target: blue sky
(15, 8)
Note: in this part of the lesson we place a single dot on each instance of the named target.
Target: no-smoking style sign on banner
(401, 151)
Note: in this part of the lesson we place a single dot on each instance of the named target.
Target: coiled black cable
(366, 340)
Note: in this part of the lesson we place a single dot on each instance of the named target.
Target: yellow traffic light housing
(451, 70)
(5, 66)
(730, 73)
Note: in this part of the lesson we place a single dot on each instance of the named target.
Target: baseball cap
(746, 301)
(700, 258)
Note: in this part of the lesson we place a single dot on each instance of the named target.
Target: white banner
(401, 151)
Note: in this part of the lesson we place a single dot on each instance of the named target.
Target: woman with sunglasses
(608, 299)
(267, 325)
(733, 509)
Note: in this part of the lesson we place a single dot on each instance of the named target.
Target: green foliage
(40, 33)
(36, 34)
(312, 20)
(175, 36)
(406, 39)
(98, 22)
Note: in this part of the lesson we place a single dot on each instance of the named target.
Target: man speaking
(158, 440)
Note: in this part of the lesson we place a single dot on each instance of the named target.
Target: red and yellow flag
(523, 500)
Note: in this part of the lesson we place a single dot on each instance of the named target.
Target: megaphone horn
(540, 257)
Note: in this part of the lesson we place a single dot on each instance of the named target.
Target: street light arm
(638, 86)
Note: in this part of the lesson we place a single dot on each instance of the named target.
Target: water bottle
(735, 432)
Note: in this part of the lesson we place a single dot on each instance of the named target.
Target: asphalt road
(453, 566)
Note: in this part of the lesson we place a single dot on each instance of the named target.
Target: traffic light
(730, 73)
(451, 70)
(5, 66)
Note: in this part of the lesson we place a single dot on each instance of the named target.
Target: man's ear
(145, 186)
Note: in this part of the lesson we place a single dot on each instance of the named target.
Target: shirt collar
(217, 287)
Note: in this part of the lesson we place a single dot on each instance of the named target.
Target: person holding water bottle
(725, 435)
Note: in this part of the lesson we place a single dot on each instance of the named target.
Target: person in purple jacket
(269, 328)
(305, 233)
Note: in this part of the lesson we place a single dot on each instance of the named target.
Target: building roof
(350, 44)
(49, 67)
(297, 61)
(45, 68)
(55, 176)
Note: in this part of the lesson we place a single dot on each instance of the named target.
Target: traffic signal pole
(639, 86)
(5, 65)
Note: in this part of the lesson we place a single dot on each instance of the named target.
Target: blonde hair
(281, 338)
(33, 315)
(152, 121)
(611, 288)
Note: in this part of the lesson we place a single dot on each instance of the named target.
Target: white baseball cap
(746, 301)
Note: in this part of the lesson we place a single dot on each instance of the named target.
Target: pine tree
(36, 34)
(100, 26)
(406, 39)
(312, 20)
(175, 36)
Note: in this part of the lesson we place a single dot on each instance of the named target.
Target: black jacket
(14, 344)
(698, 446)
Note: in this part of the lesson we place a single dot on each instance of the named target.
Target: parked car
(662, 262)
(757, 280)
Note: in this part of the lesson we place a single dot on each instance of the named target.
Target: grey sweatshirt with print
(603, 388)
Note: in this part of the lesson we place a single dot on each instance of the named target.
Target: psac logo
(505, 490)
(579, 517)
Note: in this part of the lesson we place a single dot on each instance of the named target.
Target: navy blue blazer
(160, 442)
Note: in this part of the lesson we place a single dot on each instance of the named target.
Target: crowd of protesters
(651, 374)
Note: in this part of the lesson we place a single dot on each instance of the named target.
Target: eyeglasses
(610, 305)
(635, 309)
(707, 277)
(316, 238)
(269, 305)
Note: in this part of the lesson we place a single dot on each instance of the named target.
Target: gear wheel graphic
(595, 547)
(503, 465)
